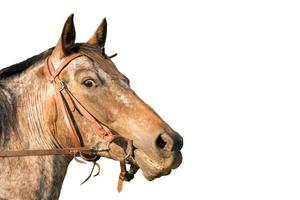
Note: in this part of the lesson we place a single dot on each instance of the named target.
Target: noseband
(69, 104)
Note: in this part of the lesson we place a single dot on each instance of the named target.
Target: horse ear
(67, 39)
(99, 36)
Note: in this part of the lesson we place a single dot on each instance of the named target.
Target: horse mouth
(153, 169)
(152, 166)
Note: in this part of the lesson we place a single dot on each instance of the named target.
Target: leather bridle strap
(69, 103)
(54, 73)
(44, 152)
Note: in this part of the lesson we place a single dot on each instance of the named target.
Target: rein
(70, 104)
(44, 152)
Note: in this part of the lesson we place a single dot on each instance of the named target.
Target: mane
(7, 114)
(92, 51)
(22, 66)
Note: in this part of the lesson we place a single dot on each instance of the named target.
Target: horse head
(106, 93)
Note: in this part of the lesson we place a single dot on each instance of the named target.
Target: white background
(224, 74)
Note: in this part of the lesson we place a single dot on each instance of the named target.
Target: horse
(71, 101)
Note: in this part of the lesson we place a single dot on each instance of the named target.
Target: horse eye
(89, 83)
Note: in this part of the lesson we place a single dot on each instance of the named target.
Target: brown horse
(31, 118)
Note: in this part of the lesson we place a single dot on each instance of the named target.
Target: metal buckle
(62, 84)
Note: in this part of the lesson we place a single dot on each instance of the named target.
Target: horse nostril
(164, 142)
(160, 142)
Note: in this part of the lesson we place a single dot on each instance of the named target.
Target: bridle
(69, 104)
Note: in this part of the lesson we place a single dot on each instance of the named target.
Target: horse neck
(29, 94)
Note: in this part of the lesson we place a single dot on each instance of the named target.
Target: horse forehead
(81, 62)
(104, 67)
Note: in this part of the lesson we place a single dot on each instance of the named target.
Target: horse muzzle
(153, 169)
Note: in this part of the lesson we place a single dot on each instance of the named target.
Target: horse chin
(152, 169)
